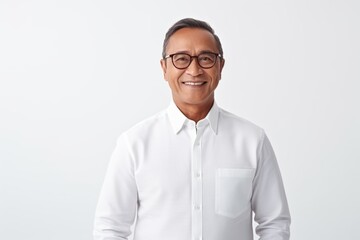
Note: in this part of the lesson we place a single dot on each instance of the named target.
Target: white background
(75, 74)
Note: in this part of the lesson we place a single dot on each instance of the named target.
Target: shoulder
(230, 122)
(240, 122)
(147, 126)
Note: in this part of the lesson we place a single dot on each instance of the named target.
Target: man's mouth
(194, 83)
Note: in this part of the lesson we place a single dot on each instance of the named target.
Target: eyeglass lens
(183, 60)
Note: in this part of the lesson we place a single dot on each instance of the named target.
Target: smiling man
(193, 171)
(193, 82)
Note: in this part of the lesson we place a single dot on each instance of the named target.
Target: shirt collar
(178, 119)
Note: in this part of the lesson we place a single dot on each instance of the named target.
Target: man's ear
(163, 66)
(222, 63)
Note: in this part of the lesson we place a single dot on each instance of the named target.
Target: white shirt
(186, 181)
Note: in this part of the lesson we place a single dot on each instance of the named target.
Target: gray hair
(190, 23)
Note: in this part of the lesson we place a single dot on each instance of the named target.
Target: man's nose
(194, 68)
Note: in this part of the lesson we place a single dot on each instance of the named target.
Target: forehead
(192, 40)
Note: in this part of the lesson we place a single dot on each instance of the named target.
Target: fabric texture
(174, 179)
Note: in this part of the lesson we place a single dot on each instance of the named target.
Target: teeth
(194, 83)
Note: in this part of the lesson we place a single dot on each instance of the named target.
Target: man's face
(193, 85)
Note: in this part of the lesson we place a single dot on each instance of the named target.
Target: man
(193, 171)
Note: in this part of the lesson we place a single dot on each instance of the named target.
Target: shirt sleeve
(269, 200)
(116, 209)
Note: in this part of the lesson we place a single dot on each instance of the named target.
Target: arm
(117, 203)
(269, 200)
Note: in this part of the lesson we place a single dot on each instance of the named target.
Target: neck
(195, 112)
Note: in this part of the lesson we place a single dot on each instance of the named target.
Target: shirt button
(198, 175)
(197, 207)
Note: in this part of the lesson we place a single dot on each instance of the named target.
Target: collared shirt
(180, 180)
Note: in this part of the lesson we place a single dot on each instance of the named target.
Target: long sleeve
(269, 200)
(117, 203)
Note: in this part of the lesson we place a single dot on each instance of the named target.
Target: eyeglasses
(183, 60)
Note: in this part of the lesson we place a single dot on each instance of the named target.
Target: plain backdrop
(75, 74)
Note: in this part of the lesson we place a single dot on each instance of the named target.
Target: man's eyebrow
(201, 52)
(207, 51)
(187, 52)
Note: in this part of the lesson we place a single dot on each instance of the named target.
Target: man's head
(190, 23)
(192, 62)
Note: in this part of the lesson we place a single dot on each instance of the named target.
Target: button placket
(197, 185)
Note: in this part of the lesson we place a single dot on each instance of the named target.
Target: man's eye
(181, 59)
(206, 59)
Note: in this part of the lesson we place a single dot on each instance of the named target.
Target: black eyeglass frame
(217, 55)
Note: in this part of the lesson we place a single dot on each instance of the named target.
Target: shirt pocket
(233, 190)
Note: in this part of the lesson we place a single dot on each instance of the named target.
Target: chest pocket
(233, 190)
